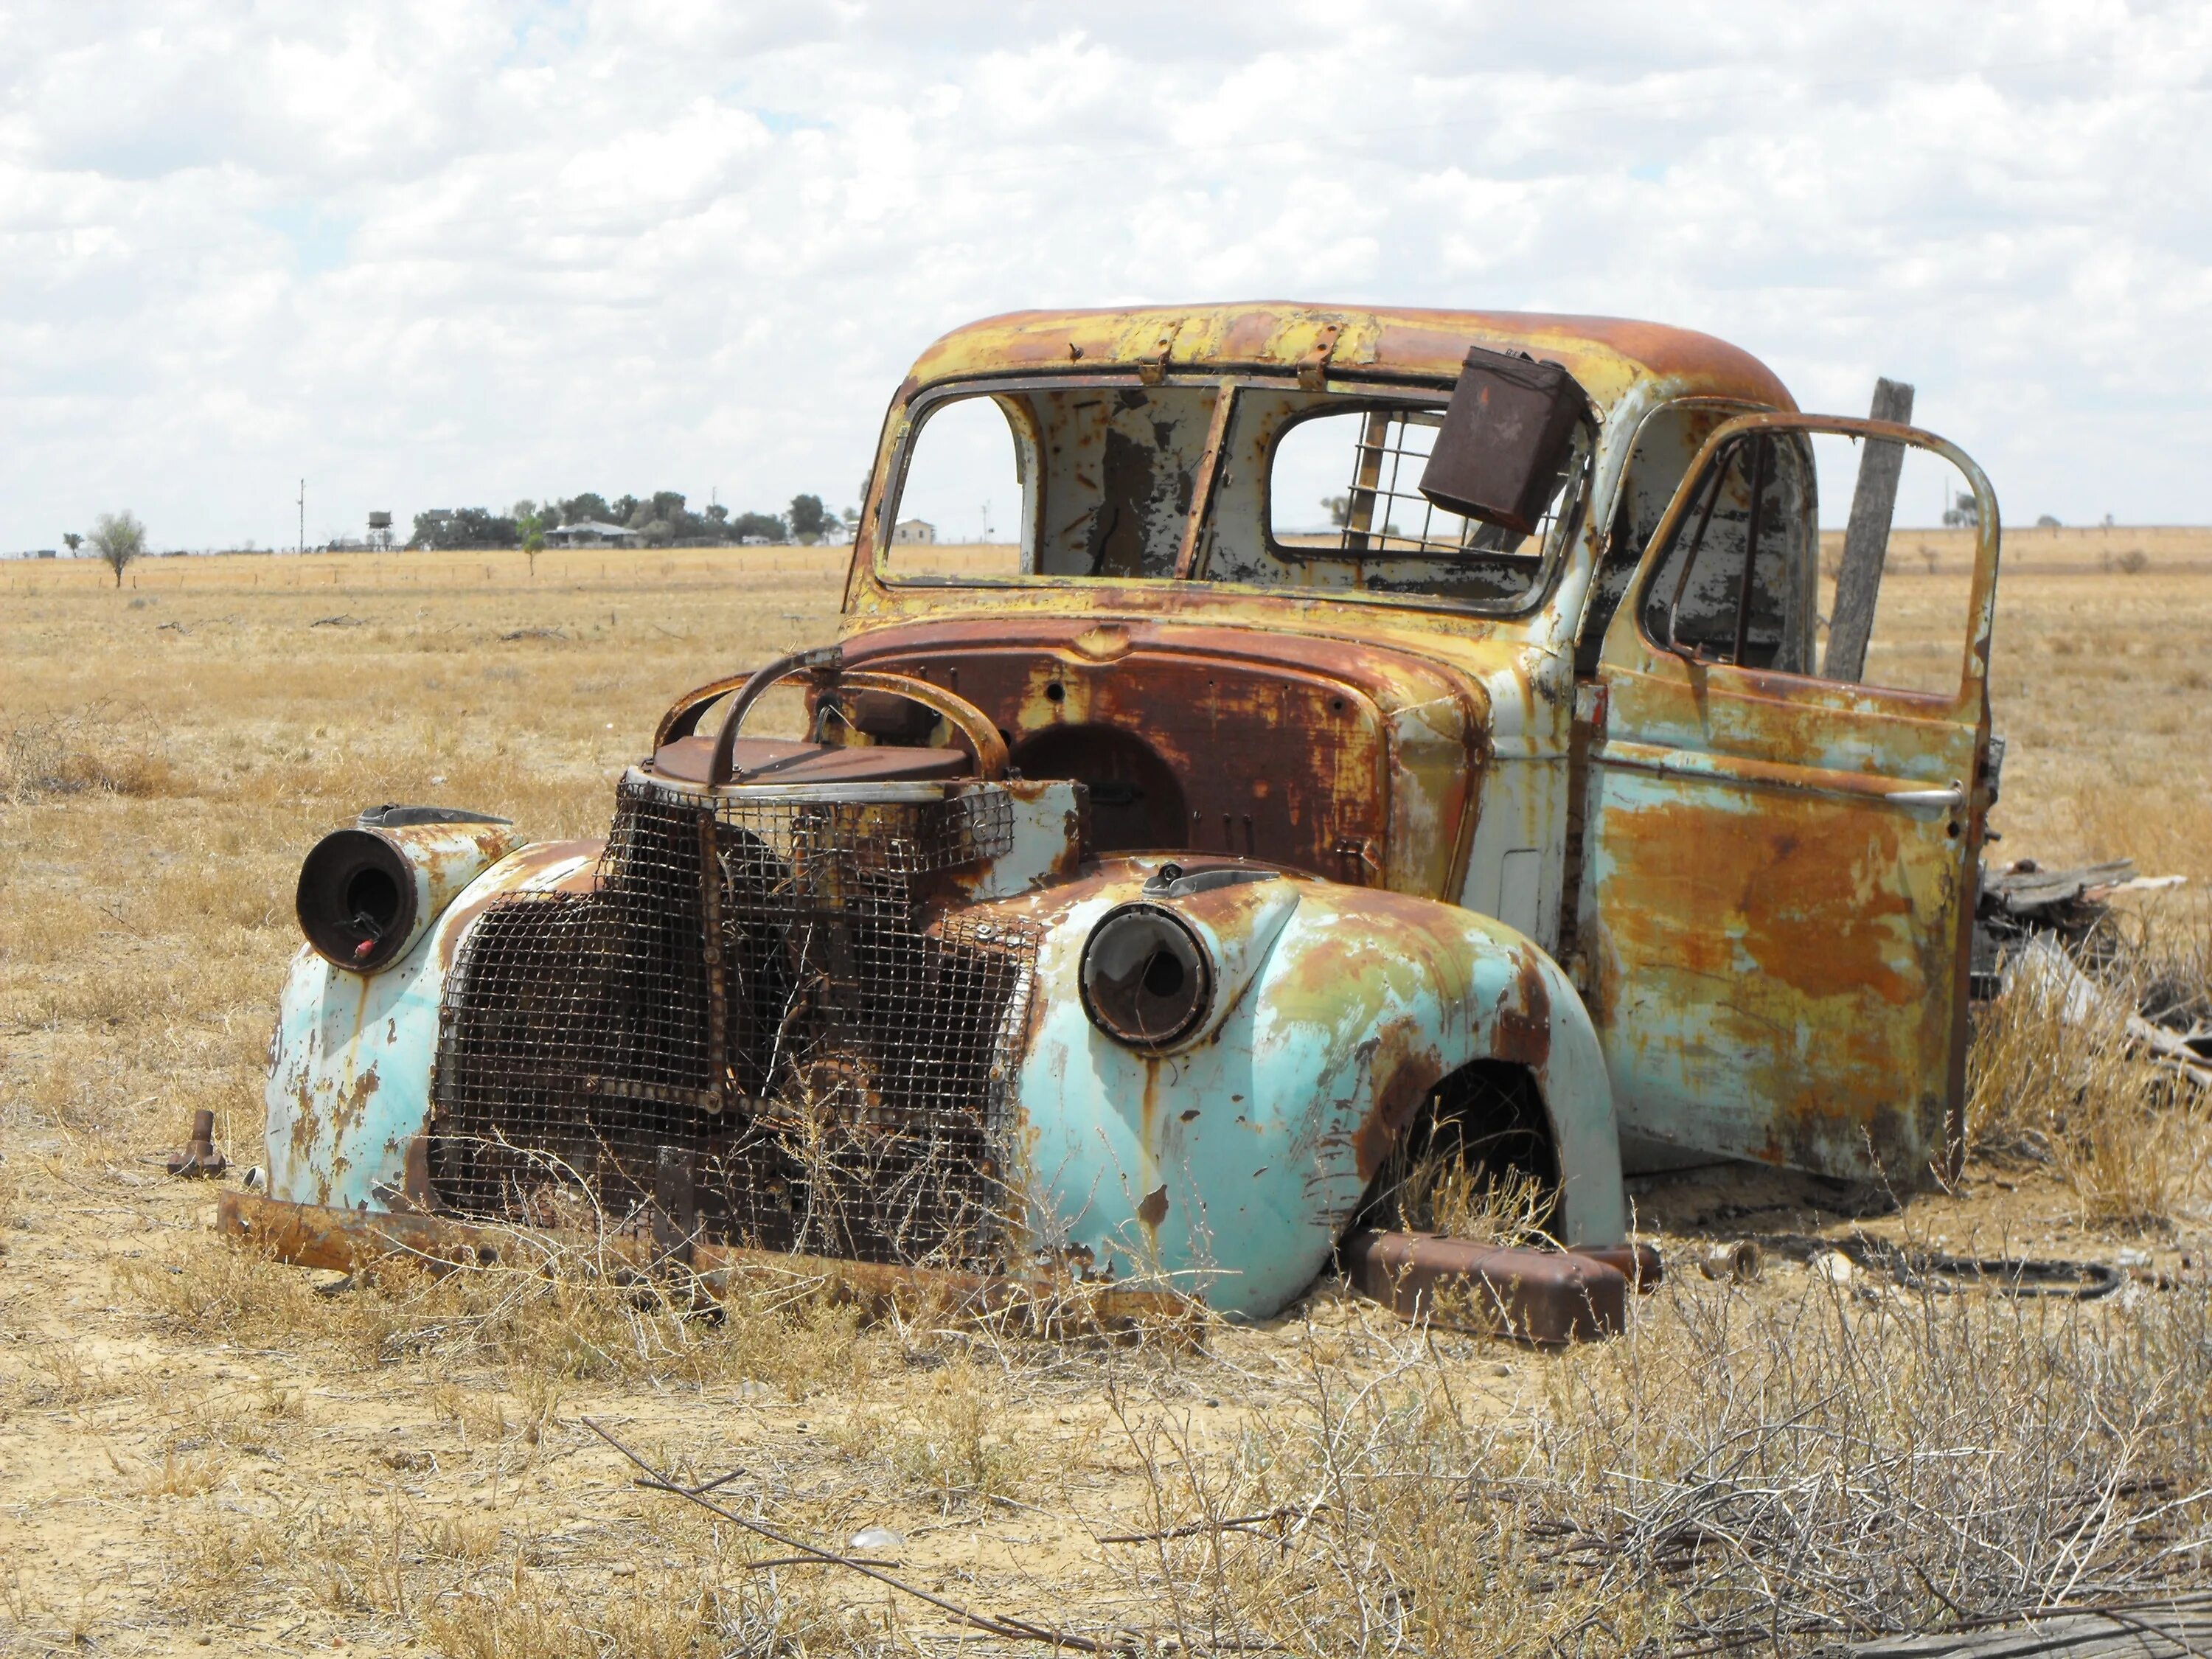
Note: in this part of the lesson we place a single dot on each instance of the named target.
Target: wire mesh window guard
(754, 994)
(1385, 513)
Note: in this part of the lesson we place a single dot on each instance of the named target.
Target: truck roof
(1608, 356)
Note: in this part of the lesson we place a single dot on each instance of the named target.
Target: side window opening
(1764, 493)
(1739, 583)
(1666, 443)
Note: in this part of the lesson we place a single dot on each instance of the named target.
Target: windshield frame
(911, 418)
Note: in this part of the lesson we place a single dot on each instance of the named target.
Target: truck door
(1778, 870)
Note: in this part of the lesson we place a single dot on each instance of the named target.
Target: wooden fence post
(1866, 538)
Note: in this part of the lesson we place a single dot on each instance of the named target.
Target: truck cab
(1374, 719)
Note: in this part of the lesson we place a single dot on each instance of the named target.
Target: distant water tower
(379, 530)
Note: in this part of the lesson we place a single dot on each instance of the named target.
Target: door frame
(1793, 738)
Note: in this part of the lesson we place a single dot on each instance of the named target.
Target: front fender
(349, 1062)
(1232, 1167)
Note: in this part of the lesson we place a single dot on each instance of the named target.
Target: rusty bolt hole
(1055, 692)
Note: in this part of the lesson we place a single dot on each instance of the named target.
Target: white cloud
(440, 254)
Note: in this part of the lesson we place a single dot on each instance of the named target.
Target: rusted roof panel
(1607, 354)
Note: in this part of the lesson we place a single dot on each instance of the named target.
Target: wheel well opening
(1477, 1159)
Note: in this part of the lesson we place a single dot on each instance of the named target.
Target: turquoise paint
(350, 1064)
(1252, 1133)
(350, 1081)
(1329, 995)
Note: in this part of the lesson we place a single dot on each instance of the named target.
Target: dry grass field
(202, 1451)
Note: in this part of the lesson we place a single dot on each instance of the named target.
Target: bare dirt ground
(200, 1450)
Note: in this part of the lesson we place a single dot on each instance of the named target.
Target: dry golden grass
(200, 1446)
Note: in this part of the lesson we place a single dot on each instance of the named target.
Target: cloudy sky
(450, 253)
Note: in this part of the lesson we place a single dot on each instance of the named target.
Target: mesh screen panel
(749, 1008)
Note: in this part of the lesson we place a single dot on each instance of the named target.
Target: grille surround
(753, 1032)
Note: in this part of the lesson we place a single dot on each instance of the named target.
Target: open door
(1778, 870)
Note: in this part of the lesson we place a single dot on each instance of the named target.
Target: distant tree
(533, 529)
(657, 532)
(668, 504)
(717, 513)
(767, 526)
(1964, 514)
(72, 541)
(587, 508)
(117, 537)
(809, 519)
(524, 509)
(625, 511)
(1340, 509)
(2045, 521)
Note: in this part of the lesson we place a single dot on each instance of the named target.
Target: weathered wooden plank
(2178, 1629)
(1866, 538)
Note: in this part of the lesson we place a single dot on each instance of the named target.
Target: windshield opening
(1311, 491)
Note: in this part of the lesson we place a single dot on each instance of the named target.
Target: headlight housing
(357, 899)
(1147, 979)
(367, 893)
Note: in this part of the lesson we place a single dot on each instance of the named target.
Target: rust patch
(1605, 354)
(1280, 748)
(1808, 894)
(1409, 1075)
(1154, 1208)
(1523, 1032)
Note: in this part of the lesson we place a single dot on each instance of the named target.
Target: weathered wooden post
(1866, 538)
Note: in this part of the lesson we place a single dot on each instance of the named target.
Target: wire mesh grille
(750, 1021)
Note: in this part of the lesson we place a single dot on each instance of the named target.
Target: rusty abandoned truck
(1125, 910)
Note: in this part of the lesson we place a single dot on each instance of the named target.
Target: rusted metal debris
(199, 1157)
(1549, 1297)
(347, 1241)
(1741, 1260)
(1941, 1272)
(1116, 922)
(2023, 898)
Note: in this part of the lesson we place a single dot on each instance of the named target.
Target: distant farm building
(592, 533)
(909, 532)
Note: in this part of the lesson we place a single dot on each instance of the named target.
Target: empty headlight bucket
(1147, 980)
(367, 893)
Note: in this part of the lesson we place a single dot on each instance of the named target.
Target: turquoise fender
(349, 1062)
(1229, 1169)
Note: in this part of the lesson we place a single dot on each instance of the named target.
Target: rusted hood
(1351, 759)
